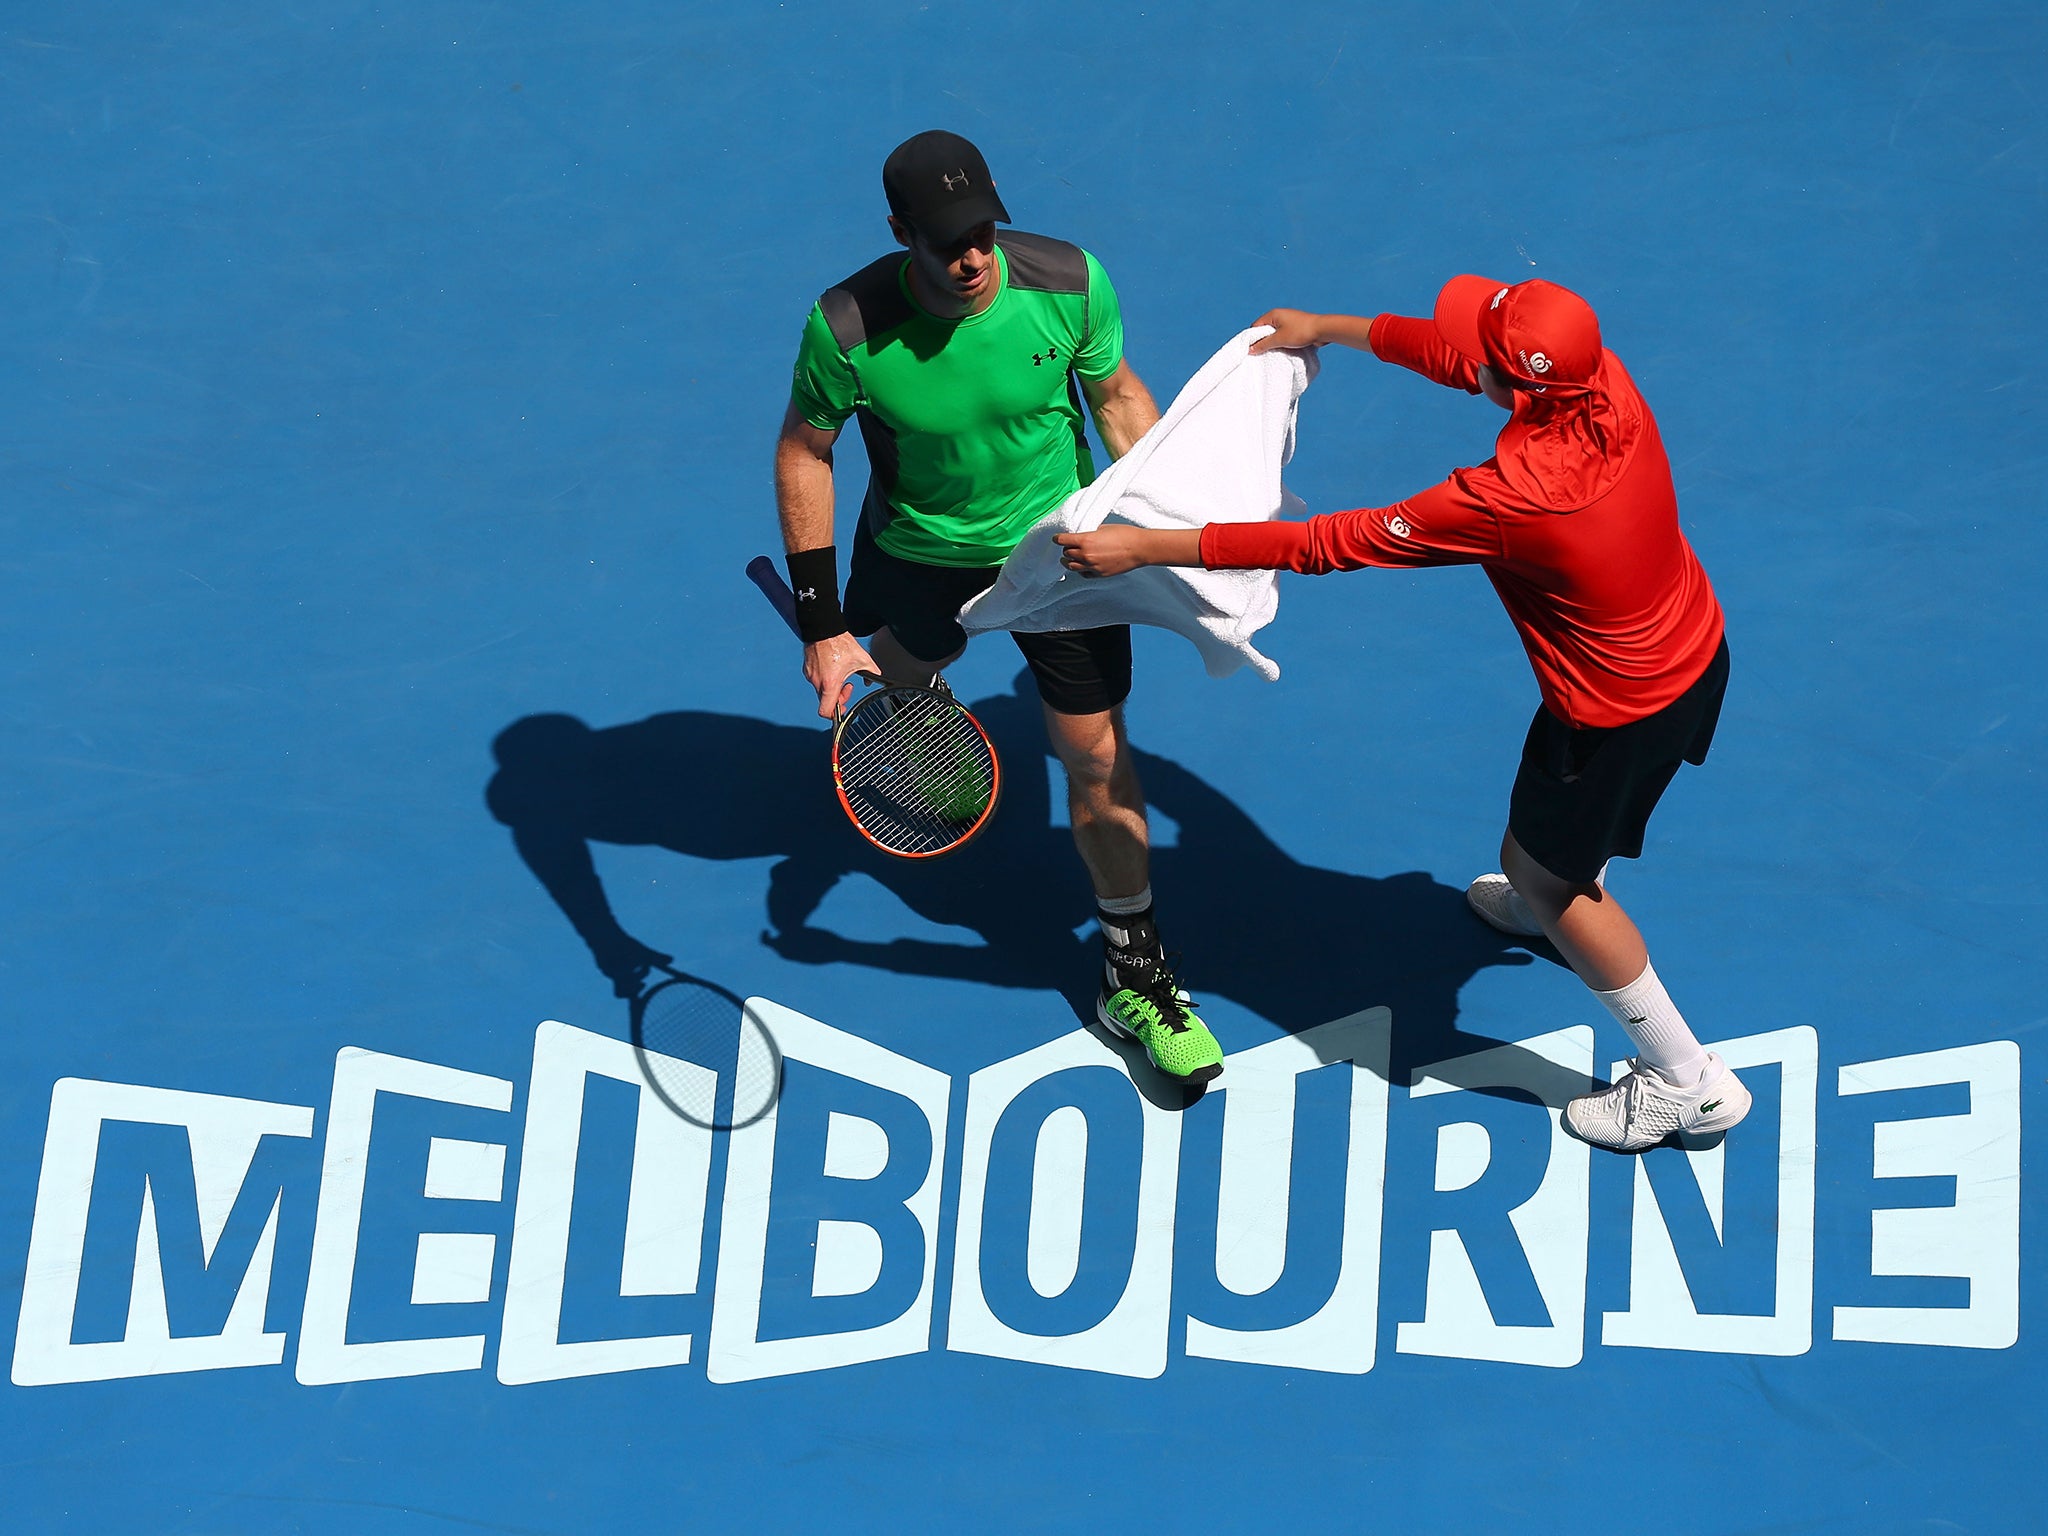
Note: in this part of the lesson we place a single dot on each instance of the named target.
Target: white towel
(1214, 457)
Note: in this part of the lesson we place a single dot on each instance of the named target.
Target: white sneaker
(1496, 900)
(1645, 1107)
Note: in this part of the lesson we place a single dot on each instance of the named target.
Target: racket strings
(915, 769)
(705, 1054)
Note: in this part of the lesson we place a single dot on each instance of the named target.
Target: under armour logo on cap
(955, 180)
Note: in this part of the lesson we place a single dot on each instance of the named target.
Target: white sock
(1662, 1039)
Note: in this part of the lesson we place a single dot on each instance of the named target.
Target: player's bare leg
(1105, 802)
(1106, 805)
(1677, 1084)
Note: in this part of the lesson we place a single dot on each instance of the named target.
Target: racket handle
(762, 573)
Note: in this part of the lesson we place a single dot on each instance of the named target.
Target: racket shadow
(707, 1055)
(1292, 941)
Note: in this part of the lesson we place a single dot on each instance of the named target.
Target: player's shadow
(1295, 943)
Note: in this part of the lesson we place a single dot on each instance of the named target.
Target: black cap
(938, 183)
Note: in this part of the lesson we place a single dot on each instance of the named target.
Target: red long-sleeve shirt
(1574, 520)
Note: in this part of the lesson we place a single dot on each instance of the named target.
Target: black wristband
(814, 578)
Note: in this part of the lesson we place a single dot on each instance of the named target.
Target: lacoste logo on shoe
(1634, 1020)
(1710, 1106)
(1051, 355)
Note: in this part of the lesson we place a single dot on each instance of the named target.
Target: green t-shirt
(974, 426)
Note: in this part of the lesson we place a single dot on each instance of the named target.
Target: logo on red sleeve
(1398, 526)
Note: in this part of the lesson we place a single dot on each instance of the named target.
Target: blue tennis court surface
(389, 396)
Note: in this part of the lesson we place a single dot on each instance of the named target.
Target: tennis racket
(915, 771)
(685, 1023)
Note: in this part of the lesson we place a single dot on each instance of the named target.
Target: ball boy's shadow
(1295, 943)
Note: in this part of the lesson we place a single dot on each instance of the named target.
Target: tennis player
(1575, 522)
(966, 356)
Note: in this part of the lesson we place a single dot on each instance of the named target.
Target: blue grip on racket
(762, 573)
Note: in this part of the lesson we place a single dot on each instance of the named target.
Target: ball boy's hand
(1291, 328)
(1108, 551)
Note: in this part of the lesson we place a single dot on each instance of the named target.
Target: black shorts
(1078, 671)
(1583, 797)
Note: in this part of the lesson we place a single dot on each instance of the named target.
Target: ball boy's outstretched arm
(1413, 343)
(1116, 547)
(1444, 525)
(1294, 328)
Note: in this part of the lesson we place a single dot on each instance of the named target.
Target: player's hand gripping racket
(703, 1051)
(915, 771)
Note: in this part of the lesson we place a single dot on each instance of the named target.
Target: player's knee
(1536, 884)
(1090, 774)
(1089, 747)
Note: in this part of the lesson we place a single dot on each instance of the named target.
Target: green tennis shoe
(1156, 1014)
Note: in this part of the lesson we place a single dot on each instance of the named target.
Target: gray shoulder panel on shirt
(1051, 266)
(869, 303)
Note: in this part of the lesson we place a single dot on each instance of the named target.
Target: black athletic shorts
(1584, 796)
(1078, 671)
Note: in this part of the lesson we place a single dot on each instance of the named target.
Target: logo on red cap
(1528, 331)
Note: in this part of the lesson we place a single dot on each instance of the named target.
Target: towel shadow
(1298, 944)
